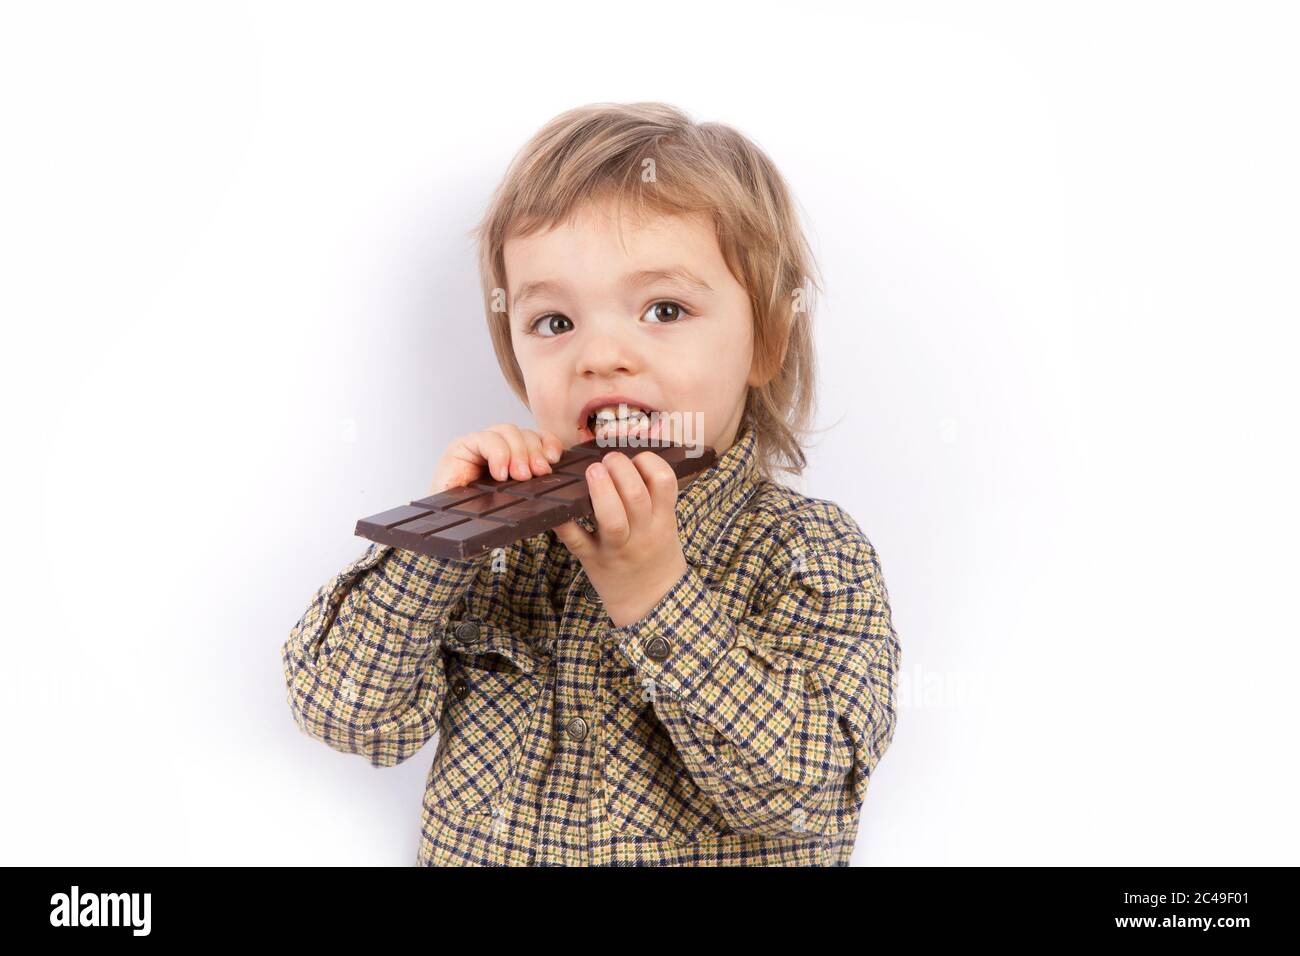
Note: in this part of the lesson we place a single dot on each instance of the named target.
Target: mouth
(616, 420)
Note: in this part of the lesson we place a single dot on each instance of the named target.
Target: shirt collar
(713, 498)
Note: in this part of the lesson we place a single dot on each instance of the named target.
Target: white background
(1057, 349)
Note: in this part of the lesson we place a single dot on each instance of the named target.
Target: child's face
(604, 325)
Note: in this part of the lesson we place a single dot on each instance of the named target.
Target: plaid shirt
(737, 723)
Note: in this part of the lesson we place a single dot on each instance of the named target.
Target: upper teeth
(611, 413)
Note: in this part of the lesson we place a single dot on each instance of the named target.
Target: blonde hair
(598, 152)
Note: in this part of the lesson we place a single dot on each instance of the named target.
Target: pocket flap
(476, 642)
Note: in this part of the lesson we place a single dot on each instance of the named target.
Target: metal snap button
(577, 728)
(460, 688)
(657, 648)
(467, 631)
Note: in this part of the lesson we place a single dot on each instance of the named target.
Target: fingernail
(552, 455)
(541, 464)
(596, 471)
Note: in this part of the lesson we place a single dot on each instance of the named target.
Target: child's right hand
(501, 451)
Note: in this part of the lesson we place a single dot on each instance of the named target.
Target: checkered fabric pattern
(737, 724)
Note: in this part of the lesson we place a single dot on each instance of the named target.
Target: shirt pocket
(493, 690)
(648, 790)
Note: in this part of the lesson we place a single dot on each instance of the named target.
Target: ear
(757, 373)
(760, 373)
(768, 358)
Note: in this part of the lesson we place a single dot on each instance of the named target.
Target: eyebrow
(633, 280)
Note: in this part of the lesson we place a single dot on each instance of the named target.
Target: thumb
(579, 542)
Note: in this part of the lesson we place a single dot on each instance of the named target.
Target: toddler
(704, 674)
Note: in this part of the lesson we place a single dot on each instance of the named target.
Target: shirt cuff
(680, 641)
(418, 586)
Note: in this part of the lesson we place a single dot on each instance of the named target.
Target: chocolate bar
(464, 522)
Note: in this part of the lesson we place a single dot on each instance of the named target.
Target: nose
(606, 352)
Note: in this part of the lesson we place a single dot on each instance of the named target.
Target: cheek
(540, 394)
(546, 395)
(727, 351)
(702, 379)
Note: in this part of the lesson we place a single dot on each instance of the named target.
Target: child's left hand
(635, 556)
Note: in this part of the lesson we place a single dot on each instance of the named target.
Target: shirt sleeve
(782, 715)
(364, 666)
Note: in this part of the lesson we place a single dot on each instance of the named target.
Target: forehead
(599, 234)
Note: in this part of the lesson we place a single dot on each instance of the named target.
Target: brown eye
(546, 326)
(662, 312)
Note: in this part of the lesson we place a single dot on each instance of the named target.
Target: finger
(456, 473)
(511, 432)
(632, 489)
(660, 480)
(494, 450)
(578, 540)
(611, 520)
(537, 462)
(553, 448)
